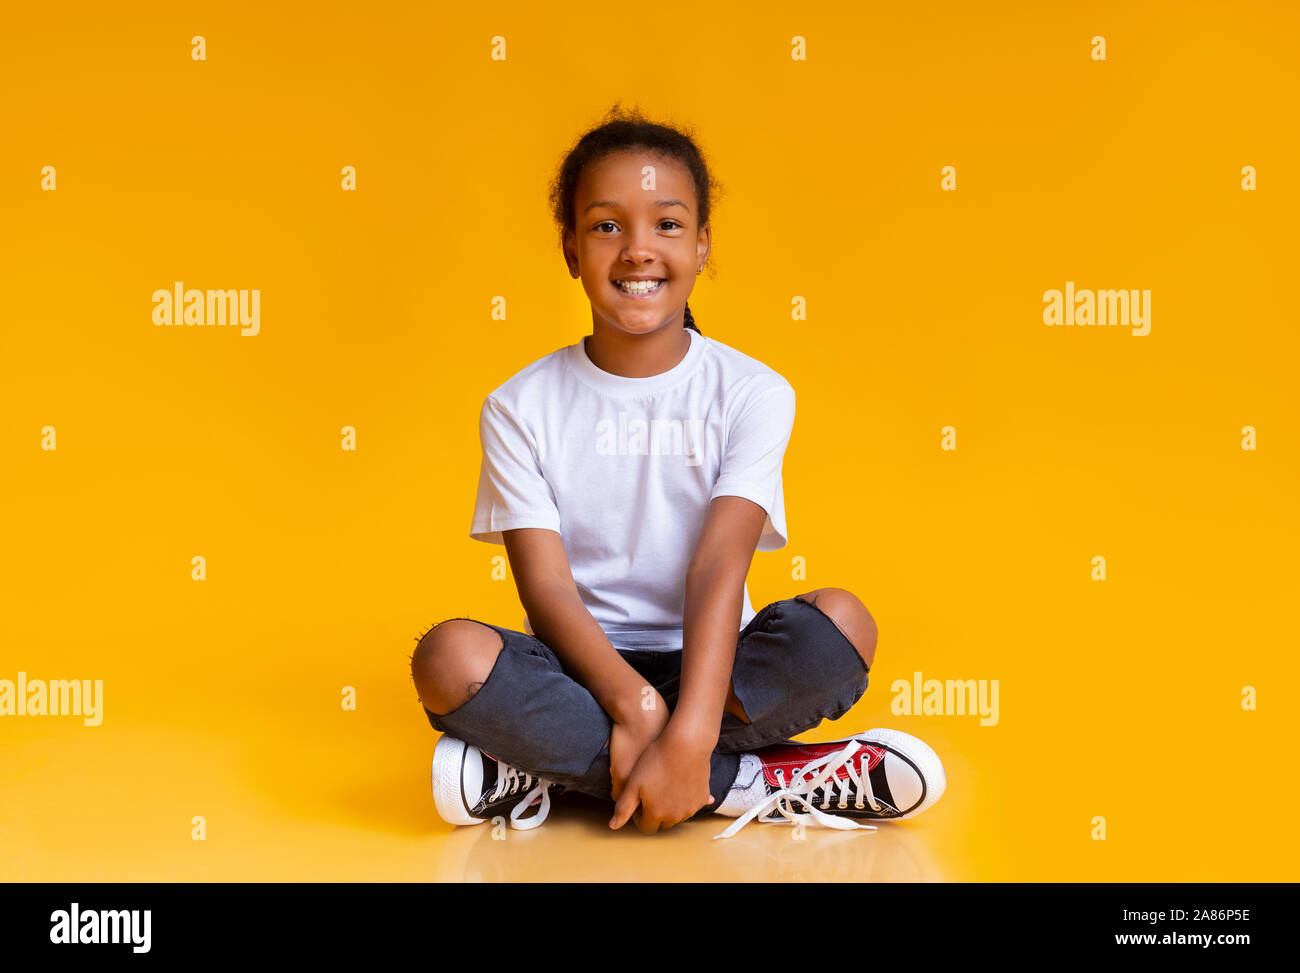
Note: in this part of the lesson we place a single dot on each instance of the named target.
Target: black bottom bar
(334, 921)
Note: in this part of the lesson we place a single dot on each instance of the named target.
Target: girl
(631, 476)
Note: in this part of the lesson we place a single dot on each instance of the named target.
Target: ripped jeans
(793, 669)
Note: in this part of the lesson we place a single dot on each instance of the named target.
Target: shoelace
(821, 772)
(509, 781)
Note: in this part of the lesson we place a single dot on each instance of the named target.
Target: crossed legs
(455, 658)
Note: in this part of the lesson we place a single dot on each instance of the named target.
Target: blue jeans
(793, 669)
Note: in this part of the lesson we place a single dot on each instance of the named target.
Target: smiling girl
(631, 477)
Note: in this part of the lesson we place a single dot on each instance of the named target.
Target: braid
(690, 320)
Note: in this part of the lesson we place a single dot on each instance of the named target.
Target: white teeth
(638, 286)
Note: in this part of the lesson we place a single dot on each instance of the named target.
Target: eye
(672, 224)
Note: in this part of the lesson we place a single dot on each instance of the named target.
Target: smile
(639, 288)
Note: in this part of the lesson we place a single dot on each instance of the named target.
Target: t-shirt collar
(613, 384)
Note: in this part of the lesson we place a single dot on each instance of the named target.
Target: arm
(715, 585)
(560, 619)
(671, 780)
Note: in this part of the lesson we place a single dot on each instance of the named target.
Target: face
(623, 231)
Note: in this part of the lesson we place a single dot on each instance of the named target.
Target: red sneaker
(879, 775)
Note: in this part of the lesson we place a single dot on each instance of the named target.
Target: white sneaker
(470, 787)
(882, 775)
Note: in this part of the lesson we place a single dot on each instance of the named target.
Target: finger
(649, 823)
(616, 775)
(627, 803)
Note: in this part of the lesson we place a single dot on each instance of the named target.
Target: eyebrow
(609, 203)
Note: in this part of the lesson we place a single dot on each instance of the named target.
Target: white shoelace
(821, 772)
(509, 780)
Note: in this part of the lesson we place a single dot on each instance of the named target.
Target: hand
(670, 781)
(646, 719)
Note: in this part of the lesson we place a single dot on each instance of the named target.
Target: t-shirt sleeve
(512, 492)
(756, 440)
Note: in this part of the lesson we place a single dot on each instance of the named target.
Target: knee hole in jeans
(847, 613)
(452, 661)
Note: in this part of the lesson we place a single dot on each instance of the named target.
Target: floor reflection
(576, 844)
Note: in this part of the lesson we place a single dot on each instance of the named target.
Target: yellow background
(222, 698)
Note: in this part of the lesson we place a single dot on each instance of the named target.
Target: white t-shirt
(624, 469)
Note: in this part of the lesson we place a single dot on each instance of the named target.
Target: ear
(569, 244)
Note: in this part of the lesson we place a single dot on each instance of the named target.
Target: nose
(639, 248)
